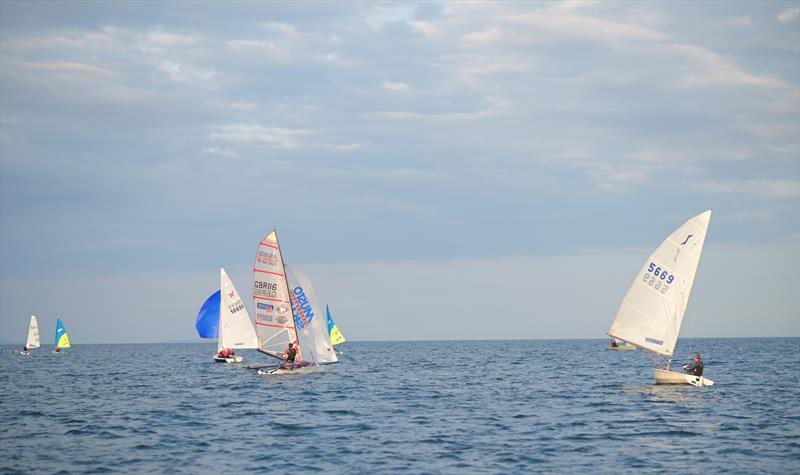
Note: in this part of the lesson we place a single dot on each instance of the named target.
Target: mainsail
(311, 328)
(62, 339)
(33, 334)
(235, 328)
(274, 323)
(652, 312)
(333, 331)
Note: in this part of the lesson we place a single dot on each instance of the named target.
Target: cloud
(776, 188)
(715, 70)
(788, 15)
(281, 137)
(184, 73)
(221, 151)
(395, 86)
(497, 106)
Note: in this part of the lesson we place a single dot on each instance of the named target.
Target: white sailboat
(236, 331)
(652, 311)
(286, 316)
(33, 337)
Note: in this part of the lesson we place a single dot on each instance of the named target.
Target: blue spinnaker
(207, 323)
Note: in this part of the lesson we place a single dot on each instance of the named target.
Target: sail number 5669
(658, 278)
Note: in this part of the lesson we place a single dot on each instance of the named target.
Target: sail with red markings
(274, 320)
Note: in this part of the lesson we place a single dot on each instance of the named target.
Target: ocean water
(402, 407)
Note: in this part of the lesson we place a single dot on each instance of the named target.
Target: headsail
(274, 323)
(652, 312)
(235, 328)
(311, 328)
(62, 339)
(333, 331)
(33, 334)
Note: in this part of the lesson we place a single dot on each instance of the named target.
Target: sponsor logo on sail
(687, 239)
(303, 313)
(267, 257)
(268, 307)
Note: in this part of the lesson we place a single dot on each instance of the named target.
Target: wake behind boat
(652, 311)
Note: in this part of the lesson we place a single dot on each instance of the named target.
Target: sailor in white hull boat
(695, 368)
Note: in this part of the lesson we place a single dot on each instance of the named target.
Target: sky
(440, 170)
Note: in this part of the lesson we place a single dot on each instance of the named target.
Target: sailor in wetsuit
(289, 355)
(695, 368)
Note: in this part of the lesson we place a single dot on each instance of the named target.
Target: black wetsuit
(290, 355)
(694, 368)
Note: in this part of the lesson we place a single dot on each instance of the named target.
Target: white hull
(673, 377)
(232, 359)
(295, 370)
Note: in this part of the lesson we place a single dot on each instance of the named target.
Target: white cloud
(165, 39)
(497, 107)
(790, 14)
(712, 69)
(395, 86)
(276, 136)
(779, 188)
(221, 151)
(183, 73)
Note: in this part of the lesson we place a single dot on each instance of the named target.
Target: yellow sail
(63, 342)
(336, 336)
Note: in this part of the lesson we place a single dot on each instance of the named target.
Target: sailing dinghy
(287, 312)
(33, 337)
(62, 338)
(333, 331)
(224, 317)
(652, 311)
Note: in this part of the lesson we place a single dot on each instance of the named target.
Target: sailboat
(224, 317)
(614, 345)
(651, 313)
(287, 312)
(333, 331)
(33, 337)
(62, 338)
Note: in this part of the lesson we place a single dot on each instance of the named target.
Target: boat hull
(622, 348)
(281, 370)
(232, 359)
(663, 376)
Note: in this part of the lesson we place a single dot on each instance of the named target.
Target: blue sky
(145, 144)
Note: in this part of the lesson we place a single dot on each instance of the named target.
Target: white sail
(235, 328)
(33, 334)
(652, 312)
(309, 321)
(274, 322)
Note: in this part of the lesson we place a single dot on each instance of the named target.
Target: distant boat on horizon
(652, 311)
(62, 338)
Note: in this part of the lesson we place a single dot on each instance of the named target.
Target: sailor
(290, 354)
(613, 343)
(225, 353)
(695, 368)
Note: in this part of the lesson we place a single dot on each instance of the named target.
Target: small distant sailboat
(652, 311)
(286, 316)
(62, 338)
(615, 345)
(32, 341)
(224, 317)
(333, 331)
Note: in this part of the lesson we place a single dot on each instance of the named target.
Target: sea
(538, 406)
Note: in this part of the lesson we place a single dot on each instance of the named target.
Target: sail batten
(651, 314)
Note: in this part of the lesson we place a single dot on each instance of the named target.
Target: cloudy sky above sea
(439, 170)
